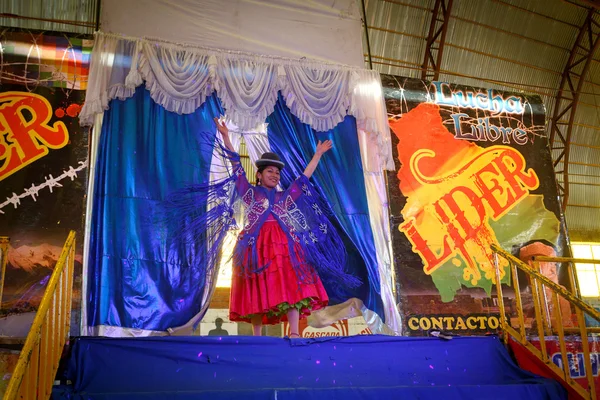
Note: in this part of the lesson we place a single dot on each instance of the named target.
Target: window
(588, 275)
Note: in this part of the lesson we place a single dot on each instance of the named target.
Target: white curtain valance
(180, 77)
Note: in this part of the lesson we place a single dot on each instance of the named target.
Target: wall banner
(473, 167)
(43, 166)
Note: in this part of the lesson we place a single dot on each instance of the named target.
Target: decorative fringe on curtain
(180, 77)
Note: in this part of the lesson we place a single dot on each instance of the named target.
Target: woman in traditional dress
(286, 243)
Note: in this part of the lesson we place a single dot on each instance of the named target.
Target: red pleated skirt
(277, 288)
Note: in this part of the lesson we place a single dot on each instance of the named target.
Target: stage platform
(357, 367)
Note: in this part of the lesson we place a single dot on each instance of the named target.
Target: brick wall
(220, 298)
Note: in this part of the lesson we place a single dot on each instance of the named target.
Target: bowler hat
(269, 159)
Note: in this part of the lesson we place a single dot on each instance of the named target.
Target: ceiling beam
(364, 21)
(592, 3)
(583, 206)
(567, 98)
(438, 26)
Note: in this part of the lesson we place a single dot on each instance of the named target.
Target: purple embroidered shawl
(300, 211)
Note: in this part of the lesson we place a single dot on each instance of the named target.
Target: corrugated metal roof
(585, 219)
(583, 134)
(37, 14)
(398, 30)
(585, 195)
(547, 10)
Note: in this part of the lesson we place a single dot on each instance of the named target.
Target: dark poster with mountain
(43, 167)
(473, 167)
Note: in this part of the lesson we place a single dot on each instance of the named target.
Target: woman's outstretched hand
(222, 128)
(323, 147)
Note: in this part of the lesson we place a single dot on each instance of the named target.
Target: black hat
(269, 159)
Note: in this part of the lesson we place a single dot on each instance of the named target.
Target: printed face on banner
(473, 169)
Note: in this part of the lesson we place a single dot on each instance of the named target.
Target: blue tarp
(358, 367)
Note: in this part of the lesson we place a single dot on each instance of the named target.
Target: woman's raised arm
(322, 148)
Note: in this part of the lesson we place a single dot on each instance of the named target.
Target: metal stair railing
(36, 368)
(548, 316)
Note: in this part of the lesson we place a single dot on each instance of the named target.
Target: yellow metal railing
(34, 374)
(4, 241)
(573, 281)
(548, 316)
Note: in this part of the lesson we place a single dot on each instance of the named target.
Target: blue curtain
(339, 177)
(145, 153)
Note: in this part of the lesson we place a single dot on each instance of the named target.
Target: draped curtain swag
(180, 77)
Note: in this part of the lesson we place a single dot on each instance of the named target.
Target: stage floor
(356, 367)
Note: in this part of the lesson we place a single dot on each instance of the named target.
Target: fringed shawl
(300, 211)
